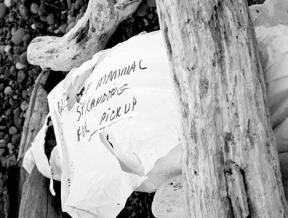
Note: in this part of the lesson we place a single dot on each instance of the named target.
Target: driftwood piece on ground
(231, 166)
(35, 115)
(37, 202)
(88, 36)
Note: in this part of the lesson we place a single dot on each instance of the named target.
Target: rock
(27, 38)
(2, 70)
(17, 112)
(10, 146)
(24, 105)
(23, 58)
(142, 10)
(17, 122)
(17, 38)
(21, 76)
(34, 8)
(8, 3)
(8, 91)
(62, 28)
(20, 66)
(8, 112)
(2, 151)
(41, 9)
(11, 161)
(2, 143)
(2, 10)
(2, 87)
(50, 19)
(7, 48)
(16, 139)
(23, 11)
(12, 130)
(151, 3)
(24, 94)
(13, 70)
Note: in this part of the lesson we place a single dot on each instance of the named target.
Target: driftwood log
(231, 166)
(88, 36)
(35, 198)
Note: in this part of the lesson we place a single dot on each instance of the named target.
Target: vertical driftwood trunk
(35, 200)
(231, 166)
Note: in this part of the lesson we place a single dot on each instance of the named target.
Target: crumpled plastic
(116, 122)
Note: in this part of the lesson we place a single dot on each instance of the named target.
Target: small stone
(18, 122)
(24, 94)
(13, 130)
(16, 139)
(8, 3)
(7, 48)
(11, 161)
(27, 38)
(21, 76)
(2, 87)
(2, 70)
(50, 19)
(24, 105)
(20, 66)
(16, 112)
(2, 10)
(62, 28)
(23, 11)
(2, 151)
(10, 146)
(8, 112)
(8, 91)
(142, 10)
(34, 8)
(42, 9)
(13, 70)
(2, 134)
(17, 38)
(23, 58)
(2, 143)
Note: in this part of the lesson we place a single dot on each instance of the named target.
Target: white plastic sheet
(128, 93)
(273, 47)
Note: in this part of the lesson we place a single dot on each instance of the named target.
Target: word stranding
(115, 74)
(108, 116)
(93, 102)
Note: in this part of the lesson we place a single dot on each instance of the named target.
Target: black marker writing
(82, 131)
(117, 112)
(104, 97)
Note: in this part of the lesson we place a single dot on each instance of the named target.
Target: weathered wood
(35, 118)
(90, 34)
(35, 115)
(37, 202)
(231, 167)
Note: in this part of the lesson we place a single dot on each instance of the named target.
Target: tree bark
(230, 162)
